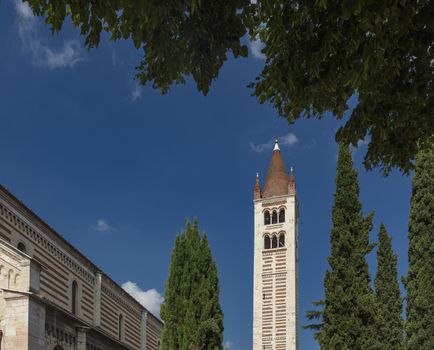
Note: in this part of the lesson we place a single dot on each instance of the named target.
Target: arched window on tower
(274, 217)
(21, 247)
(267, 218)
(58, 347)
(282, 215)
(281, 240)
(74, 297)
(121, 327)
(274, 242)
(267, 242)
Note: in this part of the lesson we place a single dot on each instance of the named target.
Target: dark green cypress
(349, 317)
(390, 323)
(191, 312)
(171, 310)
(420, 279)
(209, 334)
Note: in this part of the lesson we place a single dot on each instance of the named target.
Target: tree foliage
(316, 316)
(350, 313)
(191, 312)
(318, 55)
(420, 278)
(179, 38)
(389, 300)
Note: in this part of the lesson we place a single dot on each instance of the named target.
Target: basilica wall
(82, 307)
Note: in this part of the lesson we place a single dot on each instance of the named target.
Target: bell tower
(275, 281)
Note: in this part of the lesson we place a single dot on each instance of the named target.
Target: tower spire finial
(276, 145)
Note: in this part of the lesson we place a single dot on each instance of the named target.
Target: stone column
(81, 338)
(143, 330)
(16, 318)
(24, 322)
(37, 314)
(97, 300)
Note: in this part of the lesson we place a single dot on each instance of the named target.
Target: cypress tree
(172, 310)
(349, 316)
(191, 312)
(390, 323)
(420, 279)
(209, 334)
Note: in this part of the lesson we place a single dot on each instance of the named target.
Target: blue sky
(117, 168)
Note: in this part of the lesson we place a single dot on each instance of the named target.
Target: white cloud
(43, 55)
(256, 46)
(287, 140)
(137, 92)
(103, 226)
(68, 56)
(261, 147)
(227, 345)
(116, 60)
(23, 9)
(150, 299)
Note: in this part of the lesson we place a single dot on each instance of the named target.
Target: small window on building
(21, 246)
(282, 215)
(282, 240)
(121, 327)
(266, 242)
(267, 218)
(274, 217)
(274, 242)
(74, 297)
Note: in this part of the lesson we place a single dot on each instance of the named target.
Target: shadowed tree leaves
(420, 278)
(179, 38)
(317, 316)
(318, 55)
(191, 312)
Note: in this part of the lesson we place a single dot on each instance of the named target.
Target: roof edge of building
(20, 206)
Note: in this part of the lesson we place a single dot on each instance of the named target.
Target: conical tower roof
(277, 179)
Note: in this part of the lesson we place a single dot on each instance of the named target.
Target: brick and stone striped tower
(275, 295)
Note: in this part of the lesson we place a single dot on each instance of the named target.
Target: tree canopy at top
(318, 54)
